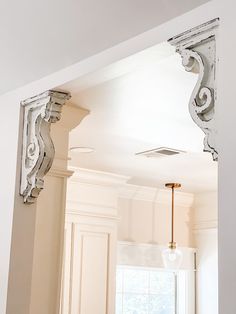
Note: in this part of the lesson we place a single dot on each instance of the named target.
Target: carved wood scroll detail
(38, 150)
(197, 48)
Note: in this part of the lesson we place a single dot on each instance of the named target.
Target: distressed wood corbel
(38, 149)
(197, 48)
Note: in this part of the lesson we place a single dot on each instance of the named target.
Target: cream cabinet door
(89, 266)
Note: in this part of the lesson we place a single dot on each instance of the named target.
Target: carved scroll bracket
(197, 48)
(38, 149)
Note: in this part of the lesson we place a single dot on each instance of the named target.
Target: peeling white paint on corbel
(197, 48)
(38, 149)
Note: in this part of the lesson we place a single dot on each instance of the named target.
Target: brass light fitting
(172, 186)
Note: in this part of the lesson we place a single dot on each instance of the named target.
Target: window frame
(134, 267)
(149, 256)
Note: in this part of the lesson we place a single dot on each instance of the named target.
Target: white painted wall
(226, 112)
(39, 38)
(205, 238)
(9, 128)
(207, 272)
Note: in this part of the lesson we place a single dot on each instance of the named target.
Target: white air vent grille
(160, 152)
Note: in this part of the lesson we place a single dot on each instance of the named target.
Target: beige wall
(205, 210)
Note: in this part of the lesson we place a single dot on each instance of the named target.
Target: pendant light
(172, 257)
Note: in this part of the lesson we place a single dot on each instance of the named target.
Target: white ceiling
(138, 104)
(52, 35)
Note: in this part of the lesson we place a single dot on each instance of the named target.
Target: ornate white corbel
(38, 149)
(197, 48)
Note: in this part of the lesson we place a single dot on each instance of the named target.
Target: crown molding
(161, 196)
(94, 177)
(205, 225)
(129, 191)
(57, 172)
(89, 210)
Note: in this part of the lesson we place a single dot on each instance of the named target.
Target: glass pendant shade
(171, 256)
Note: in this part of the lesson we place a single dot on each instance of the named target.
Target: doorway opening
(117, 212)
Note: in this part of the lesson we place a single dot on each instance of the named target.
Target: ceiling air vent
(160, 152)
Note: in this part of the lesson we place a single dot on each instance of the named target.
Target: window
(145, 291)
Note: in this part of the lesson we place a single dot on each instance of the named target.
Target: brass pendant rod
(172, 244)
(172, 216)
